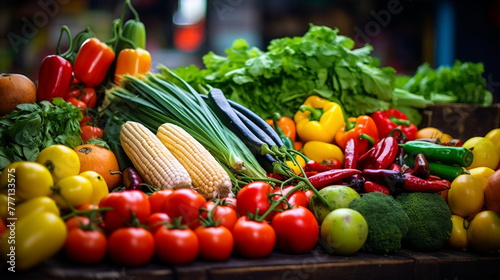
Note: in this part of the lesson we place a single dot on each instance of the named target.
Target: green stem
(66, 54)
(400, 121)
(368, 138)
(315, 113)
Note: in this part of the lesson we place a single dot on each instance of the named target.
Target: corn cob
(208, 176)
(154, 162)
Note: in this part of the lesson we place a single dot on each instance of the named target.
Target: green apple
(338, 196)
(344, 231)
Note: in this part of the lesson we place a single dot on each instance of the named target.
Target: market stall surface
(317, 264)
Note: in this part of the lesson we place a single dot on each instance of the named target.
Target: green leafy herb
(31, 128)
(281, 78)
(461, 83)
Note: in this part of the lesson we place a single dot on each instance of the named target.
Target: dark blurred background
(404, 33)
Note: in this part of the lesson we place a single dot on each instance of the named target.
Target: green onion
(154, 100)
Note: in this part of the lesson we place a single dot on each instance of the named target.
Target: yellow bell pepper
(132, 62)
(320, 151)
(318, 119)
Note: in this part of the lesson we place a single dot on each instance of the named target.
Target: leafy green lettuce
(461, 83)
(33, 127)
(279, 80)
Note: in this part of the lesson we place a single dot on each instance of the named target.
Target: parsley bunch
(33, 127)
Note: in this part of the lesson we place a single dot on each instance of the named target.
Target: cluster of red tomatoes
(179, 226)
(85, 98)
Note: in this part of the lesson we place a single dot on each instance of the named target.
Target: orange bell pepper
(132, 62)
(362, 129)
(287, 125)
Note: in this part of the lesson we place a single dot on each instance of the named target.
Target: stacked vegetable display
(181, 172)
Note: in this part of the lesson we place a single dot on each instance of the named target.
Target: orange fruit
(101, 160)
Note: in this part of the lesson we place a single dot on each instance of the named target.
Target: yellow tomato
(39, 236)
(485, 152)
(494, 136)
(31, 180)
(484, 232)
(295, 168)
(75, 190)
(319, 151)
(4, 177)
(465, 196)
(458, 237)
(37, 204)
(4, 210)
(99, 186)
(482, 174)
(62, 161)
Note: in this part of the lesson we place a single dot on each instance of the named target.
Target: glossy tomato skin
(157, 199)
(77, 222)
(157, 220)
(297, 230)
(297, 198)
(216, 243)
(176, 246)
(124, 203)
(132, 246)
(185, 203)
(226, 216)
(90, 132)
(253, 239)
(86, 246)
(252, 197)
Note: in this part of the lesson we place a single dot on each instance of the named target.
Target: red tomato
(157, 220)
(86, 120)
(133, 246)
(91, 132)
(309, 193)
(86, 246)
(253, 239)
(176, 246)
(76, 222)
(86, 94)
(254, 196)
(78, 103)
(297, 230)
(124, 204)
(297, 198)
(157, 199)
(184, 203)
(216, 243)
(231, 202)
(226, 216)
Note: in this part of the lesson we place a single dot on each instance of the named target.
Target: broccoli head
(430, 221)
(387, 222)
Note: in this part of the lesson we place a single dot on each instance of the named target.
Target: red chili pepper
(312, 165)
(417, 184)
(131, 179)
(421, 167)
(92, 62)
(351, 154)
(328, 177)
(386, 121)
(374, 187)
(380, 156)
(395, 167)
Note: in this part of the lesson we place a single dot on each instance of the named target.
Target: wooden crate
(460, 120)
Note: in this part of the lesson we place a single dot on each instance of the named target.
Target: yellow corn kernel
(154, 162)
(208, 176)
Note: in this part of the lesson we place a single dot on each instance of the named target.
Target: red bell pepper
(92, 62)
(388, 120)
(55, 74)
(362, 129)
